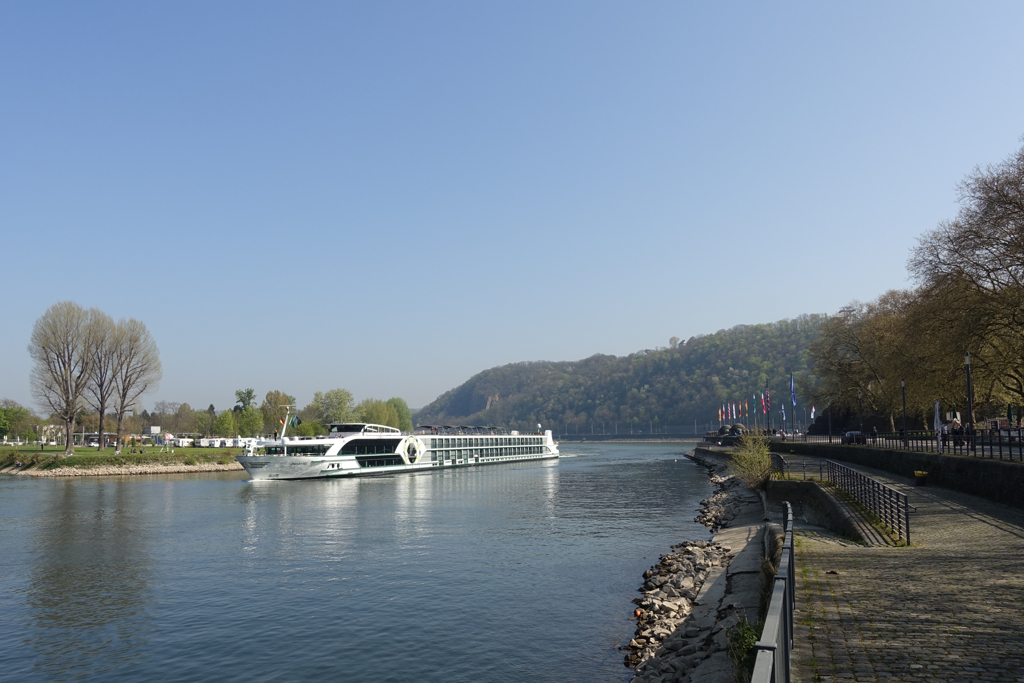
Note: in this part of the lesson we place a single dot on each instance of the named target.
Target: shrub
(740, 649)
(190, 460)
(752, 461)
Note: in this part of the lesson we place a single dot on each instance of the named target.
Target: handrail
(775, 648)
(1004, 444)
(888, 504)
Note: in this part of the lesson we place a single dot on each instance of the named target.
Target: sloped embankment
(696, 593)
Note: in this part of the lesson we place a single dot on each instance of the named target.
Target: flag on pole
(792, 388)
(767, 400)
(763, 411)
(783, 414)
(812, 411)
(281, 421)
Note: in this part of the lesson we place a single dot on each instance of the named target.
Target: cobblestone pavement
(949, 608)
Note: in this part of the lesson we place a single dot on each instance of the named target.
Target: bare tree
(975, 262)
(61, 347)
(137, 367)
(103, 349)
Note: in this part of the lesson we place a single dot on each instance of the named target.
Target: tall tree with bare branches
(978, 258)
(137, 367)
(61, 347)
(100, 388)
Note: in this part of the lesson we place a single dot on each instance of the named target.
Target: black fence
(1002, 444)
(888, 504)
(801, 469)
(775, 648)
(885, 502)
(611, 430)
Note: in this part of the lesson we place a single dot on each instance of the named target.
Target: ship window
(370, 446)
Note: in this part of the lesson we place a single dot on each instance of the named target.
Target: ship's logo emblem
(411, 451)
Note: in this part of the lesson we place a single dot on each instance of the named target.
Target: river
(517, 572)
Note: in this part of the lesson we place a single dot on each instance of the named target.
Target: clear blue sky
(393, 196)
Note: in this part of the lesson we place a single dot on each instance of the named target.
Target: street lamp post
(906, 438)
(970, 400)
(860, 412)
(830, 423)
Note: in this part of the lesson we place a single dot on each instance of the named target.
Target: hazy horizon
(393, 197)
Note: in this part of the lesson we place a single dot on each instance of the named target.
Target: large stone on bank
(715, 669)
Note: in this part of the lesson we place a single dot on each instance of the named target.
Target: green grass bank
(105, 462)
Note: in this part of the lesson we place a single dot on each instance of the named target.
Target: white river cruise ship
(352, 450)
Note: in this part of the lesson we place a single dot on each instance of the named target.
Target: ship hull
(290, 468)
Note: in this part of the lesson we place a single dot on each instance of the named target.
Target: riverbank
(112, 470)
(696, 594)
(100, 465)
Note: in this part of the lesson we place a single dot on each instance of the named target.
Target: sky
(392, 196)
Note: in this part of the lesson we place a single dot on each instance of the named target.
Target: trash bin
(920, 478)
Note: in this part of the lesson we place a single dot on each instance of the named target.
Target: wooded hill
(667, 386)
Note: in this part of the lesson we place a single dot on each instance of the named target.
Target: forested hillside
(673, 386)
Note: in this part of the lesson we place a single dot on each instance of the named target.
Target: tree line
(968, 298)
(678, 385)
(248, 419)
(86, 367)
(245, 418)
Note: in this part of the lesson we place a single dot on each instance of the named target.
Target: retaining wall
(810, 501)
(813, 503)
(997, 480)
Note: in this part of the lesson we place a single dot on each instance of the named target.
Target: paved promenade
(949, 608)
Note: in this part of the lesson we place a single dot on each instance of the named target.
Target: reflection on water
(522, 571)
(88, 584)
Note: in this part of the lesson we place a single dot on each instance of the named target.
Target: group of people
(955, 430)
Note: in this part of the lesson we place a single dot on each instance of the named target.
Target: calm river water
(520, 572)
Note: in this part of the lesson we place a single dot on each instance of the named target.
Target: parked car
(854, 437)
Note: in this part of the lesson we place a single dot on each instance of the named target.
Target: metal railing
(888, 504)
(1002, 444)
(789, 469)
(775, 647)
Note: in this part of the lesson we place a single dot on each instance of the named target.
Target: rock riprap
(109, 470)
(725, 503)
(695, 593)
(670, 590)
